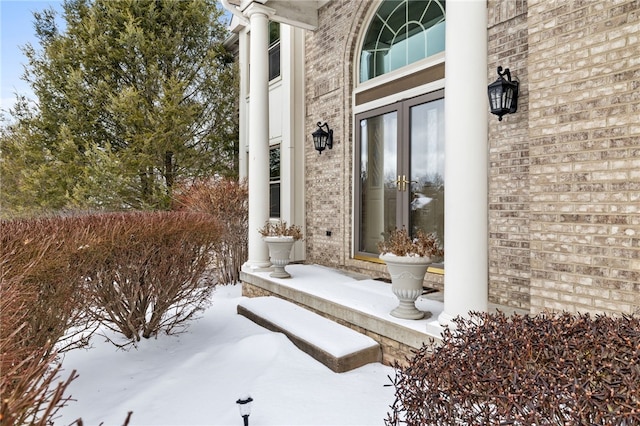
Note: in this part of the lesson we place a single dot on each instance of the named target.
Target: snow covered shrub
(146, 270)
(549, 369)
(227, 201)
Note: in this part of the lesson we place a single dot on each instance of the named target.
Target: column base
(251, 266)
(446, 320)
(434, 329)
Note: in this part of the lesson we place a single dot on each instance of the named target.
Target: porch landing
(358, 302)
(355, 301)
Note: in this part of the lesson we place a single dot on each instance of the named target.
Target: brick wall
(564, 177)
(330, 58)
(509, 202)
(584, 146)
(329, 55)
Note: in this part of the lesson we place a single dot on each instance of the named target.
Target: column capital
(257, 8)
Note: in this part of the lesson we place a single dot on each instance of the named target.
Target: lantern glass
(495, 97)
(320, 140)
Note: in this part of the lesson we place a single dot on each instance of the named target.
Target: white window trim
(395, 75)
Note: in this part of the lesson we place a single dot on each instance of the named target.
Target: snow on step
(338, 347)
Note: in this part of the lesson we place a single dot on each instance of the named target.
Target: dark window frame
(274, 181)
(274, 50)
(402, 107)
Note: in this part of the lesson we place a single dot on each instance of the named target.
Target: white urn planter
(407, 275)
(279, 254)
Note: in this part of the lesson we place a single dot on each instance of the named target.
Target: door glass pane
(378, 174)
(426, 134)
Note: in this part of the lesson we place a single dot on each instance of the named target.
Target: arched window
(402, 32)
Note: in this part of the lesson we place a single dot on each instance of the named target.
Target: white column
(258, 133)
(466, 157)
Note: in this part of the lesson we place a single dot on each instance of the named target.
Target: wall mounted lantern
(322, 138)
(503, 94)
(244, 404)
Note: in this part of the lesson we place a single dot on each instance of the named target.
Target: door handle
(402, 183)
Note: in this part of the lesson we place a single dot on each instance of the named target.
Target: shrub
(52, 295)
(227, 201)
(144, 271)
(31, 392)
(523, 370)
(281, 229)
(399, 243)
(35, 255)
(28, 334)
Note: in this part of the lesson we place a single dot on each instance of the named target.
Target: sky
(196, 377)
(16, 29)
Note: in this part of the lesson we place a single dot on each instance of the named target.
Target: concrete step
(336, 346)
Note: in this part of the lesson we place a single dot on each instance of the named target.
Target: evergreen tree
(132, 97)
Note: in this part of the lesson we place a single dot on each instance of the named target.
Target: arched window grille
(401, 33)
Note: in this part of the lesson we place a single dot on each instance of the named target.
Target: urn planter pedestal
(407, 275)
(279, 254)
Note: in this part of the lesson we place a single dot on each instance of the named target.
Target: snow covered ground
(196, 377)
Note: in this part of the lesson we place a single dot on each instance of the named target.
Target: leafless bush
(79, 422)
(524, 370)
(28, 389)
(144, 270)
(37, 254)
(227, 201)
(281, 229)
(398, 242)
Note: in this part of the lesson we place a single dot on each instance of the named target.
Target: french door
(400, 153)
